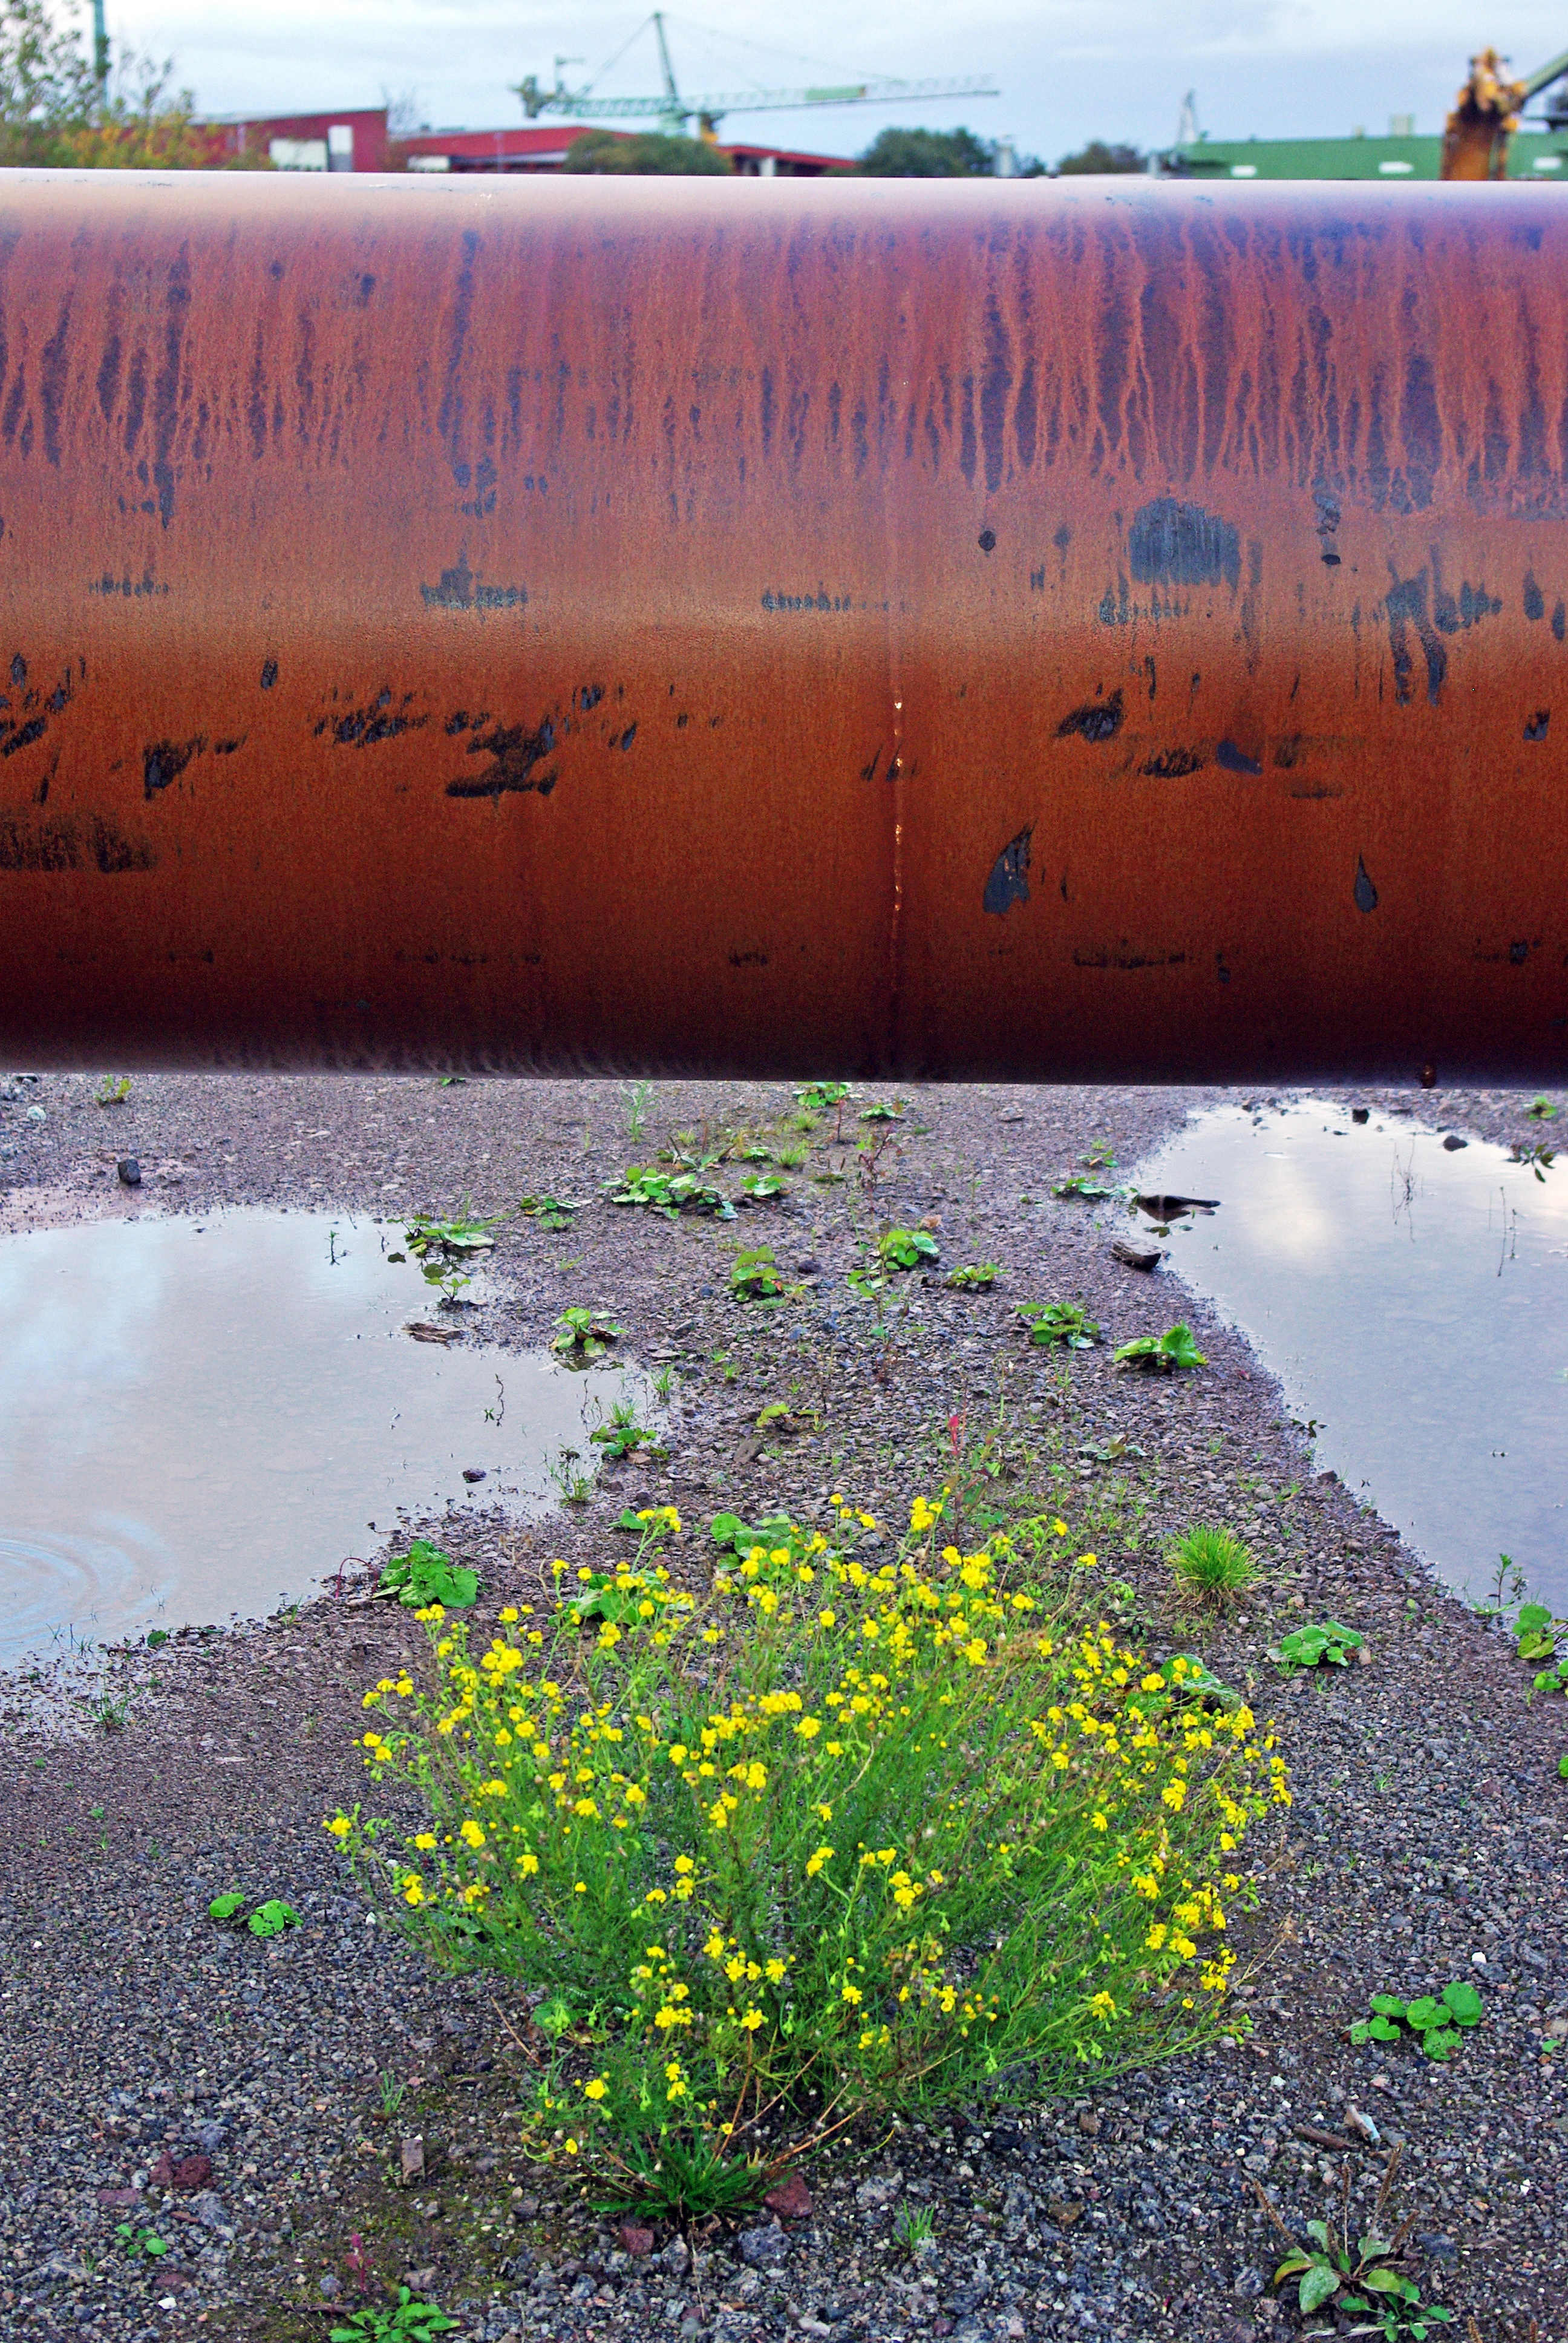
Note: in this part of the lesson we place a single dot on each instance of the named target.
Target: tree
(650, 153)
(1098, 157)
(927, 154)
(56, 114)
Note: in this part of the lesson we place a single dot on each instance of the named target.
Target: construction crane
(673, 112)
(1486, 114)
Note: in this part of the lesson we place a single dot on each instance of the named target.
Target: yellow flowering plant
(831, 1834)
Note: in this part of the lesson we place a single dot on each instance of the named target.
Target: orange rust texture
(1040, 631)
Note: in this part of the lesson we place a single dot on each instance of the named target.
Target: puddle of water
(204, 1416)
(1414, 1302)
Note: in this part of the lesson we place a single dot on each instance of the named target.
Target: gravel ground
(160, 2075)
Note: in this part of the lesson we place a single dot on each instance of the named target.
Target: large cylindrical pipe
(1097, 630)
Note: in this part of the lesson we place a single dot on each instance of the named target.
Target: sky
(1066, 70)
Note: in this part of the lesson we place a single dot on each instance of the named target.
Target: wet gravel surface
(161, 2077)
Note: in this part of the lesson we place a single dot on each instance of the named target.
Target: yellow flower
(922, 1516)
(596, 2089)
(1103, 2007)
(339, 1826)
(425, 1840)
(471, 1833)
(414, 1890)
(814, 1863)
(752, 2020)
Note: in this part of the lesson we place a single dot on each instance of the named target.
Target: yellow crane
(1486, 114)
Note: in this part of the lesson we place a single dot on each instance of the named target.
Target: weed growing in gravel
(459, 1236)
(412, 2321)
(754, 1277)
(1435, 2022)
(550, 1212)
(637, 1099)
(393, 2092)
(113, 1092)
(140, 2244)
(1540, 1109)
(1174, 1348)
(623, 1436)
(816, 1098)
(826, 1836)
(1067, 1322)
(915, 2226)
(1214, 1565)
(110, 1711)
(670, 1192)
(973, 1277)
(428, 1573)
(906, 1248)
(1358, 2279)
(1323, 1645)
(582, 1335)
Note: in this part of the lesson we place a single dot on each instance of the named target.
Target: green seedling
(584, 1334)
(155, 1637)
(1065, 1322)
(140, 2244)
(550, 1212)
(1540, 1109)
(631, 1522)
(427, 1574)
(1161, 1353)
(728, 1530)
(623, 1436)
(777, 1416)
(271, 1918)
(817, 1098)
(761, 1185)
(1539, 1157)
(1324, 1645)
(1563, 1768)
(754, 1277)
(412, 2321)
(393, 2092)
(1100, 1156)
(867, 1280)
(1213, 1562)
(915, 2226)
(637, 1099)
(1537, 1631)
(111, 1093)
(228, 1907)
(1091, 1191)
(974, 1276)
(1330, 2273)
(1437, 2023)
(906, 1248)
(426, 1236)
(882, 1113)
(790, 1159)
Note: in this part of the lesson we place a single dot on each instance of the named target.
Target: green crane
(673, 112)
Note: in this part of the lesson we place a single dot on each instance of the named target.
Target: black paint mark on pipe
(268, 674)
(1009, 881)
(62, 846)
(988, 540)
(1406, 609)
(1534, 599)
(1099, 720)
(363, 728)
(1365, 892)
(1535, 726)
(1172, 544)
(1234, 759)
(514, 752)
(166, 761)
(1173, 764)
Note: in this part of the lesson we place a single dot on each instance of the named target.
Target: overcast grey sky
(1068, 70)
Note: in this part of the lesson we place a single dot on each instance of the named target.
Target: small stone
(473, 1472)
(1089, 2123)
(193, 2172)
(130, 1171)
(411, 2160)
(789, 2198)
(210, 2136)
(633, 2238)
(676, 2256)
(1144, 1257)
(1451, 1144)
(161, 2173)
(874, 2195)
(329, 2286)
(763, 2249)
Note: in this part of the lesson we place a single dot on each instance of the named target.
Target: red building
(352, 140)
(357, 140)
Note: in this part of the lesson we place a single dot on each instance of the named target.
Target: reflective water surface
(201, 1416)
(1413, 1299)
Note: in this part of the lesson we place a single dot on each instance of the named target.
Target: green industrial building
(1534, 153)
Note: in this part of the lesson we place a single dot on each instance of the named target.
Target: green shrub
(823, 1838)
(1213, 1562)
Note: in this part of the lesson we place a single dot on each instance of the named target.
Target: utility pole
(100, 50)
(674, 116)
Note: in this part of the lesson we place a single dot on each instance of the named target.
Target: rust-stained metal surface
(1037, 630)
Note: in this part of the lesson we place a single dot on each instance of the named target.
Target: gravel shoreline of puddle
(1427, 1839)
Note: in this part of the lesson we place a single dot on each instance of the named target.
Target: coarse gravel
(160, 2075)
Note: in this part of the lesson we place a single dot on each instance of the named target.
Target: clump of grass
(1214, 1565)
(820, 1839)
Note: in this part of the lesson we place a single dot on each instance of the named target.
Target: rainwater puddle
(1413, 1300)
(202, 1417)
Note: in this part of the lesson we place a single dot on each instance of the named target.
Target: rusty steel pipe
(1097, 630)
